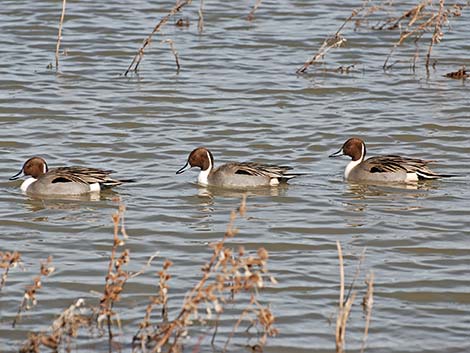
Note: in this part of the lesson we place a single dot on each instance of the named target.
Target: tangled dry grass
(226, 275)
(423, 24)
(230, 277)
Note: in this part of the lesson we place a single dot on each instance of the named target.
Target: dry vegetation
(8, 260)
(423, 24)
(230, 284)
(230, 277)
(346, 302)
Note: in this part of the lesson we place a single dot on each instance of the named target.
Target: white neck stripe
(204, 174)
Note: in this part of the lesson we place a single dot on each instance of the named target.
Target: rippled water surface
(237, 93)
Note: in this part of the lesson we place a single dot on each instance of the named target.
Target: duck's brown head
(33, 167)
(200, 157)
(354, 148)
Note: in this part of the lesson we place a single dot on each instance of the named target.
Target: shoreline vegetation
(230, 287)
(422, 25)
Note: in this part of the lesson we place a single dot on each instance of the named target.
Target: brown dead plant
(251, 15)
(116, 277)
(421, 22)
(225, 276)
(8, 260)
(334, 41)
(61, 332)
(29, 297)
(346, 301)
(134, 66)
(59, 34)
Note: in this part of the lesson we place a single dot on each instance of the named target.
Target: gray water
(237, 93)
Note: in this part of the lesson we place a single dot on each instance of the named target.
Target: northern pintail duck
(235, 175)
(388, 168)
(63, 180)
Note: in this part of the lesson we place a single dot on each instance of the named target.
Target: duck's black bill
(337, 154)
(16, 176)
(185, 168)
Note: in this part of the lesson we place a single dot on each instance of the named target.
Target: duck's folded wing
(82, 175)
(393, 164)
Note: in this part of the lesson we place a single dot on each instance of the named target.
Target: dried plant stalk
(420, 22)
(62, 330)
(438, 34)
(175, 53)
(224, 276)
(344, 307)
(134, 66)
(367, 303)
(334, 41)
(251, 15)
(117, 277)
(8, 260)
(200, 21)
(59, 35)
(29, 298)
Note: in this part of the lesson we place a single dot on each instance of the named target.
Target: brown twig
(62, 330)
(223, 276)
(251, 15)
(8, 260)
(59, 35)
(175, 53)
(29, 297)
(134, 66)
(437, 34)
(200, 21)
(367, 303)
(344, 307)
(329, 43)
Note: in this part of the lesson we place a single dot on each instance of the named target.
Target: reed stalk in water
(335, 41)
(175, 53)
(8, 260)
(226, 274)
(367, 303)
(200, 21)
(251, 15)
(59, 35)
(29, 297)
(134, 66)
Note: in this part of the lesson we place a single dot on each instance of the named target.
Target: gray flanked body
(235, 175)
(240, 175)
(382, 169)
(63, 180)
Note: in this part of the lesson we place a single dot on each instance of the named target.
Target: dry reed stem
(251, 15)
(225, 275)
(200, 21)
(62, 330)
(329, 43)
(29, 298)
(437, 34)
(344, 307)
(59, 35)
(175, 53)
(8, 260)
(419, 24)
(134, 66)
(116, 277)
(367, 303)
